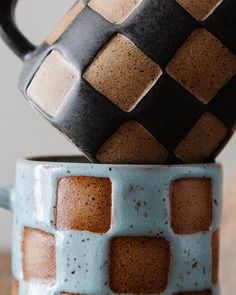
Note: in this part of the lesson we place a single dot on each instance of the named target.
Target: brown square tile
(200, 9)
(39, 256)
(122, 73)
(202, 140)
(139, 265)
(133, 144)
(64, 24)
(203, 65)
(53, 83)
(206, 292)
(84, 203)
(115, 11)
(15, 287)
(191, 205)
(215, 256)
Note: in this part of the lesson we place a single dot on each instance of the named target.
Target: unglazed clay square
(53, 83)
(84, 203)
(39, 256)
(191, 205)
(122, 73)
(132, 143)
(203, 65)
(207, 292)
(202, 140)
(115, 11)
(139, 265)
(215, 256)
(64, 24)
(200, 9)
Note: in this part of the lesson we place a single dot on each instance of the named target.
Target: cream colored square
(202, 140)
(64, 24)
(115, 11)
(200, 9)
(132, 144)
(53, 83)
(39, 256)
(203, 65)
(122, 73)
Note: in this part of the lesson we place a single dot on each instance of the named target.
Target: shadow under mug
(111, 229)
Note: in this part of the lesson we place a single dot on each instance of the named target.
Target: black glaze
(223, 24)
(168, 111)
(159, 28)
(9, 31)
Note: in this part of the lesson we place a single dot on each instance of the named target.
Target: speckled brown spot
(84, 203)
(15, 287)
(200, 9)
(215, 256)
(202, 140)
(115, 11)
(122, 73)
(39, 257)
(133, 144)
(203, 65)
(206, 292)
(52, 83)
(139, 265)
(191, 205)
(64, 24)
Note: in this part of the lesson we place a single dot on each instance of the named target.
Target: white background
(24, 133)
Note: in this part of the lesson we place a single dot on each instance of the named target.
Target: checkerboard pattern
(149, 233)
(163, 64)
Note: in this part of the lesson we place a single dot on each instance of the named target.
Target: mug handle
(9, 31)
(7, 197)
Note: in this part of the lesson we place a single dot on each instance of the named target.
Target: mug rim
(81, 159)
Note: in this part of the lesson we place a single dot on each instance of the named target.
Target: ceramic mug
(123, 78)
(83, 228)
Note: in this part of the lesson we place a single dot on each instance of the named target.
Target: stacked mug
(146, 90)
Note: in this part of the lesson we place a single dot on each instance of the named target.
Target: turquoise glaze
(35, 196)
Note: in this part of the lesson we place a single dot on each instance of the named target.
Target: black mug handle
(9, 31)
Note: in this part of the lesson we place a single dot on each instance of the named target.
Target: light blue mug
(83, 228)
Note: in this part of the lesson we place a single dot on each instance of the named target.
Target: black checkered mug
(139, 81)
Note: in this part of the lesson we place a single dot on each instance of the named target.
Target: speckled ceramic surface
(167, 65)
(79, 227)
